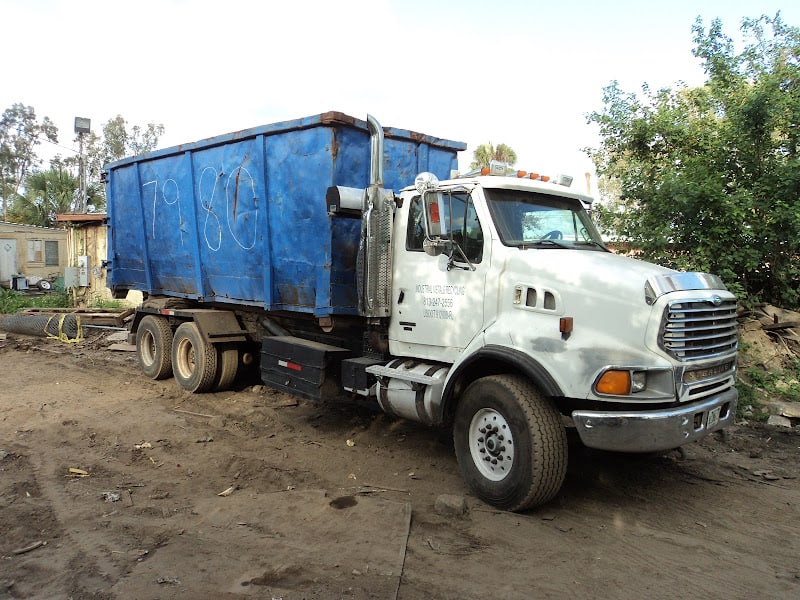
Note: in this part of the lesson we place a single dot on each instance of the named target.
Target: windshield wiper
(544, 243)
(592, 243)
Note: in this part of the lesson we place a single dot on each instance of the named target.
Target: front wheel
(510, 443)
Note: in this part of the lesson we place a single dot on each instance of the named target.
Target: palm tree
(485, 153)
(47, 193)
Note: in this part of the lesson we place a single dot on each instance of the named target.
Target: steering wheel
(553, 235)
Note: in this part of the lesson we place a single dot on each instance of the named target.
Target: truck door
(438, 300)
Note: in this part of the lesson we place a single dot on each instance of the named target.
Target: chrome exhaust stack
(375, 249)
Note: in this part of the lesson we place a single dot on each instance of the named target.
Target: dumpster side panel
(126, 254)
(165, 198)
(242, 218)
(299, 171)
(229, 215)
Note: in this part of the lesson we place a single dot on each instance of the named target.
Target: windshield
(532, 219)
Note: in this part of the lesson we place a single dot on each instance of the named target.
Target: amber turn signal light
(614, 382)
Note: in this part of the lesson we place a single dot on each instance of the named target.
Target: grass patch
(12, 301)
(750, 406)
(99, 302)
(758, 386)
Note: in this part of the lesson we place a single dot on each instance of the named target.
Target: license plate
(713, 417)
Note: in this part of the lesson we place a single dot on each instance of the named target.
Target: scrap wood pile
(770, 344)
(774, 331)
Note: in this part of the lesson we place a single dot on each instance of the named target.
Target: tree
(709, 177)
(485, 153)
(20, 133)
(47, 193)
(118, 141)
(34, 197)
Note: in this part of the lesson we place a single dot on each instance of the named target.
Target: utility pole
(82, 127)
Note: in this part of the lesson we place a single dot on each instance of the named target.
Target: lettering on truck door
(437, 311)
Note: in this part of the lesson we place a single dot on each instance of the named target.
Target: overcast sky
(523, 72)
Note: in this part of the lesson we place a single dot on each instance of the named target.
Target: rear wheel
(228, 365)
(194, 360)
(154, 347)
(510, 443)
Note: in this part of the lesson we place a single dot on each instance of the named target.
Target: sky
(521, 72)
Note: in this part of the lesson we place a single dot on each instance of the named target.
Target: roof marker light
(497, 168)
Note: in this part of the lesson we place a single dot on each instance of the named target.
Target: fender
(497, 359)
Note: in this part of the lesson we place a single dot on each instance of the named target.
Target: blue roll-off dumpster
(241, 218)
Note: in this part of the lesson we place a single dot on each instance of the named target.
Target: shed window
(35, 251)
(43, 251)
(51, 253)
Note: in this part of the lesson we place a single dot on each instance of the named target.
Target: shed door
(8, 258)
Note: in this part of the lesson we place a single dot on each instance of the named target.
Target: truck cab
(505, 282)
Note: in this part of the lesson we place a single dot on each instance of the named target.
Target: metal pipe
(273, 328)
(376, 151)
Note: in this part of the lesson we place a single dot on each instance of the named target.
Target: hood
(594, 273)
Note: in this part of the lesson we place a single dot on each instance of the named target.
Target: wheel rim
(148, 348)
(185, 358)
(491, 444)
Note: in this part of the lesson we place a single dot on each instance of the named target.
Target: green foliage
(20, 133)
(787, 384)
(749, 406)
(99, 302)
(118, 141)
(12, 301)
(35, 197)
(755, 383)
(485, 153)
(47, 193)
(708, 178)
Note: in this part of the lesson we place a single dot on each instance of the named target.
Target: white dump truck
(345, 259)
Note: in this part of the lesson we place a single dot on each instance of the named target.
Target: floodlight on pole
(82, 127)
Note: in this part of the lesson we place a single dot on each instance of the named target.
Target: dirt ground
(252, 493)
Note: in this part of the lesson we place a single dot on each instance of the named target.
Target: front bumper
(655, 430)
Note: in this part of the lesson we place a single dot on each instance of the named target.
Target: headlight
(621, 382)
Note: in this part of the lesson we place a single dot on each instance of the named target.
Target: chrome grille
(697, 329)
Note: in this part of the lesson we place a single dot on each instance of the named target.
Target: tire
(194, 360)
(154, 347)
(510, 443)
(227, 366)
(44, 285)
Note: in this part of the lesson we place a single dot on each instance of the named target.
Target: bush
(12, 301)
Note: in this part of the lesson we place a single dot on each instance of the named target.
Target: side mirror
(435, 242)
(435, 215)
(435, 247)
